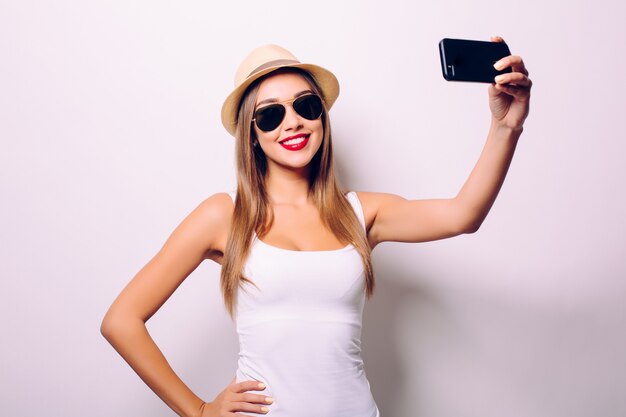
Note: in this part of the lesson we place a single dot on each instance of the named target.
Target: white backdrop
(110, 134)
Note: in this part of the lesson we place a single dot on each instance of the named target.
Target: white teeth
(294, 141)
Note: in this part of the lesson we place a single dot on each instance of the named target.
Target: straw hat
(264, 60)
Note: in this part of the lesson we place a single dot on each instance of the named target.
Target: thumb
(492, 91)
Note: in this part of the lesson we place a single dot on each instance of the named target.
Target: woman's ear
(253, 139)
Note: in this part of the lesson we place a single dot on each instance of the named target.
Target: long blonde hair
(252, 209)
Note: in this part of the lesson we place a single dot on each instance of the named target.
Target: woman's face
(294, 143)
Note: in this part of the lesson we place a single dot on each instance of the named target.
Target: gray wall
(110, 133)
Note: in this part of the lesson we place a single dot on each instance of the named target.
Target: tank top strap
(356, 206)
(233, 195)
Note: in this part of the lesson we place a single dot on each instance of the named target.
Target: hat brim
(325, 79)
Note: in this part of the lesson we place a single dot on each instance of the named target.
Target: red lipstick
(297, 142)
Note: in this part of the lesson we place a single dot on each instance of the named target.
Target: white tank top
(300, 332)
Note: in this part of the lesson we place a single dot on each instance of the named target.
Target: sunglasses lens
(268, 118)
(309, 106)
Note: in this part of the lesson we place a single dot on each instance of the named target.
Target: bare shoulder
(371, 203)
(212, 218)
(216, 208)
(203, 233)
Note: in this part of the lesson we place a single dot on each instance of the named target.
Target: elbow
(113, 325)
(471, 225)
(472, 228)
(107, 327)
(467, 219)
(119, 324)
(472, 219)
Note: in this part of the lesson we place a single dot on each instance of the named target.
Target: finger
(253, 408)
(249, 386)
(256, 398)
(497, 39)
(519, 93)
(515, 78)
(239, 415)
(514, 61)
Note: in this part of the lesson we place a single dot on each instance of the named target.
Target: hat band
(274, 63)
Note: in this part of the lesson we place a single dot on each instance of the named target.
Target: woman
(294, 249)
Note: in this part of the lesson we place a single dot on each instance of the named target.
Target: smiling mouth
(295, 143)
(294, 140)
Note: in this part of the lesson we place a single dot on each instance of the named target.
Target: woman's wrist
(201, 410)
(503, 129)
(197, 411)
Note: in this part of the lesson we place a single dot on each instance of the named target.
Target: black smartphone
(469, 60)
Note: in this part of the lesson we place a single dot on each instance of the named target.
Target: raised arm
(195, 239)
(393, 218)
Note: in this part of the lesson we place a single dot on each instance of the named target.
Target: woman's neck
(287, 188)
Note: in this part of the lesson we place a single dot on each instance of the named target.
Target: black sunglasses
(268, 118)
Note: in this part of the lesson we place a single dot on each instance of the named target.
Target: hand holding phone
(470, 60)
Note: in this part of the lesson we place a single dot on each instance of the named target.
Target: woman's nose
(292, 119)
